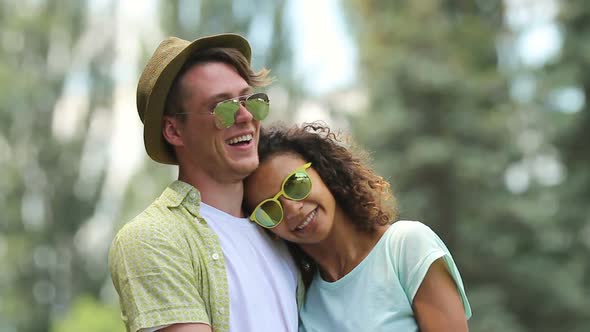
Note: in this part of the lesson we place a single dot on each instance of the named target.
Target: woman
(363, 271)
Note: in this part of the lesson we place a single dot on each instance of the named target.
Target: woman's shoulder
(408, 228)
(404, 234)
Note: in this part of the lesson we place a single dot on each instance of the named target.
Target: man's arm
(437, 304)
(153, 273)
(188, 327)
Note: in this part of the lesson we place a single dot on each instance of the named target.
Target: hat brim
(156, 146)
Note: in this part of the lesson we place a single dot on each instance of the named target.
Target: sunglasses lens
(225, 113)
(269, 214)
(297, 186)
(258, 106)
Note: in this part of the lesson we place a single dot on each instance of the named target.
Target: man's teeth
(306, 221)
(239, 139)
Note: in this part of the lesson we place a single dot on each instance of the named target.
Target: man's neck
(226, 196)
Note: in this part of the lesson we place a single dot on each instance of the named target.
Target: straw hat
(157, 78)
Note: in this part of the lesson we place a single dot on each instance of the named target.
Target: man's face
(224, 155)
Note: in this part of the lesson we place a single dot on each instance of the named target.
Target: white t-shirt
(377, 294)
(261, 275)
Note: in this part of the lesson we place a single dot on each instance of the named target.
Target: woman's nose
(290, 207)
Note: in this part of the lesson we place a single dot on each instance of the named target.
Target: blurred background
(476, 111)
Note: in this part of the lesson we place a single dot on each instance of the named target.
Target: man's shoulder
(156, 219)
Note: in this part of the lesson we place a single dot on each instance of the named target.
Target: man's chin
(246, 167)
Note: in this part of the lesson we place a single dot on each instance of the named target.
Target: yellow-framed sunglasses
(296, 186)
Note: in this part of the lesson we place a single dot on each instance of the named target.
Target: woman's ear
(172, 130)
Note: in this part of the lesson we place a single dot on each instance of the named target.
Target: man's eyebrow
(247, 90)
(225, 95)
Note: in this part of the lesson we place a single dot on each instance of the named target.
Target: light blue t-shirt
(377, 295)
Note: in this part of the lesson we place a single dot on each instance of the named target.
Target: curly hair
(363, 196)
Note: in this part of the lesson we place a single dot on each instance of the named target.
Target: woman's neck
(343, 249)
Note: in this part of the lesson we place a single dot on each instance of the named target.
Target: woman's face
(306, 221)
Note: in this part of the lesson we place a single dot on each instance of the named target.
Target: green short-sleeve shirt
(168, 267)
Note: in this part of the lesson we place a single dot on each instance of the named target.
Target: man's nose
(243, 115)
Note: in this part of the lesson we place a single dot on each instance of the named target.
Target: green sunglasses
(225, 111)
(296, 186)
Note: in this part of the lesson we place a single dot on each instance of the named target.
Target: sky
(326, 54)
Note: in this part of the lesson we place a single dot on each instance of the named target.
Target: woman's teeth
(306, 221)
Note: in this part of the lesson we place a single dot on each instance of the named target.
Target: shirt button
(193, 195)
(215, 256)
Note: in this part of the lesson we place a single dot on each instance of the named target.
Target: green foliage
(41, 208)
(445, 129)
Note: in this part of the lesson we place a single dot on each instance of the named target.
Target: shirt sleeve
(154, 274)
(414, 248)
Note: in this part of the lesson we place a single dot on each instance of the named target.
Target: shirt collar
(178, 193)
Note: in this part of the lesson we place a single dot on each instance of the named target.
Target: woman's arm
(437, 304)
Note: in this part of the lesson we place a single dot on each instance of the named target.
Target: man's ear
(172, 130)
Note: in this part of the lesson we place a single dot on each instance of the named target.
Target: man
(191, 261)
